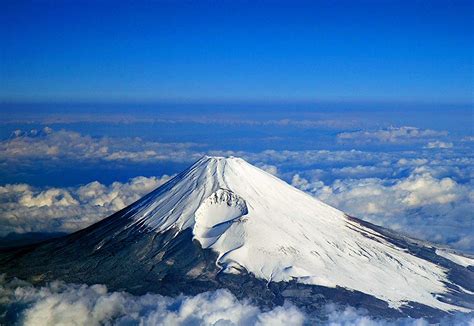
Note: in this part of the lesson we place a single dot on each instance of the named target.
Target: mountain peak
(218, 163)
(219, 159)
(259, 223)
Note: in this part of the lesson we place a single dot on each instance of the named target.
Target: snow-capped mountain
(225, 223)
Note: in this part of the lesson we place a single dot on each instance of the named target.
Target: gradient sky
(330, 50)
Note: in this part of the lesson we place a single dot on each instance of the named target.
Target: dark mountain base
(23, 239)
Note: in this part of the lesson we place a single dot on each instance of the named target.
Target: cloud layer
(426, 192)
(66, 304)
(48, 144)
(24, 208)
(70, 145)
(391, 135)
(59, 303)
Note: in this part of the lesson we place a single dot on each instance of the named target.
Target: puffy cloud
(390, 135)
(435, 209)
(27, 209)
(31, 133)
(439, 144)
(50, 197)
(60, 303)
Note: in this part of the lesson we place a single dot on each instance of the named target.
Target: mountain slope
(261, 232)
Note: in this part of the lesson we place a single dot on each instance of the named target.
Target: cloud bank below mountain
(59, 302)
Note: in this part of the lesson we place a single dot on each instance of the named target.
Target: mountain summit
(226, 223)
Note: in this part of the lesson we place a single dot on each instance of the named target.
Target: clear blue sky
(329, 50)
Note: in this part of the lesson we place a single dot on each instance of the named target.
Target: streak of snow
(455, 258)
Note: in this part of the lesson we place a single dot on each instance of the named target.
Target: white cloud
(360, 171)
(350, 316)
(439, 144)
(70, 145)
(60, 303)
(50, 197)
(390, 135)
(24, 208)
(304, 158)
(272, 169)
(61, 147)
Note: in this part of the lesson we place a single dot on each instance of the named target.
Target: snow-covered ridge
(455, 258)
(257, 222)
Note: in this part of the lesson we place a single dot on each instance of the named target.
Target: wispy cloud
(439, 144)
(390, 135)
(220, 119)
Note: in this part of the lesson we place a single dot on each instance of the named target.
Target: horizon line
(223, 101)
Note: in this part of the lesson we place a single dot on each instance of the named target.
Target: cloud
(390, 135)
(350, 316)
(361, 170)
(62, 303)
(63, 146)
(439, 144)
(31, 133)
(318, 121)
(69, 145)
(24, 208)
(303, 159)
(435, 209)
(272, 169)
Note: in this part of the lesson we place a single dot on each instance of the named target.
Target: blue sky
(415, 51)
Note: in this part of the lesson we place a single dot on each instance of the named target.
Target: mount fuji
(224, 223)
